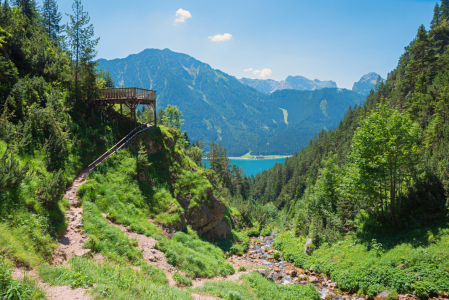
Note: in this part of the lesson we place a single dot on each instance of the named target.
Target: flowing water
(285, 273)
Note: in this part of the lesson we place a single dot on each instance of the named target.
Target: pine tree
(51, 18)
(80, 34)
(436, 16)
(28, 8)
(11, 174)
(444, 8)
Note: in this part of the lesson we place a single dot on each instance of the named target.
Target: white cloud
(265, 73)
(221, 37)
(248, 70)
(255, 72)
(182, 15)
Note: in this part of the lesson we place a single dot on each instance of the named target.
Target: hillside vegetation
(373, 194)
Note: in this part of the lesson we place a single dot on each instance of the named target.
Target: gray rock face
(262, 272)
(207, 218)
(366, 83)
(301, 83)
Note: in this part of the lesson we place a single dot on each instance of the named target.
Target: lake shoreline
(254, 158)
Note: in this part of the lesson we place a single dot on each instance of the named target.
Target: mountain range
(290, 83)
(218, 107)
(267, 86)
(366, 83)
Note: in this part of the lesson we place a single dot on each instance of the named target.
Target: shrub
(182, 280)
(252, 232)
(52, 189)
(236, 249)
(242, 268)
(265, 232)
(276, 255)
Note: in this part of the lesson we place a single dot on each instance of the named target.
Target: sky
(339, 40)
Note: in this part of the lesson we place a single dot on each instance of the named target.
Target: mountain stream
(285, 273)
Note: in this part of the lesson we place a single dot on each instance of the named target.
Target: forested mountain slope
(373, 193)
(415, 92)
(217, 107)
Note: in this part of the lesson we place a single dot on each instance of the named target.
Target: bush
(182, 280)
(242, 268)
(52, 189)
(253, 232)
(265, 232)
(276, 255)
(236, 249)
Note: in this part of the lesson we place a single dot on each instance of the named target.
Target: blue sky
(338, 40)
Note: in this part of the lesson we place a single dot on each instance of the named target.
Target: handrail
(93, 165)
(116, 144)
(127, 93)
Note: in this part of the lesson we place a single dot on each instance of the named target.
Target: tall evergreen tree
(444, 7)
(28, 8)
(81, 41)
(51, 18)
(436, 17)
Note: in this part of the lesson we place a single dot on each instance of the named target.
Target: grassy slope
(114, 189)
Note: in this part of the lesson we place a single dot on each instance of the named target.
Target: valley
(241, 189)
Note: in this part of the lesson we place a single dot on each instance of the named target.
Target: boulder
(262, 272)
(308, 250)
(313, 279)
(330, 296)
(382, 295)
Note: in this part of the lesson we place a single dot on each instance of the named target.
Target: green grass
(112, 281)
(255, 286)
(17, 289)
(182, 280)
(414, 262)
(194, 256)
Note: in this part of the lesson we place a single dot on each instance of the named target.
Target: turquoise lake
(254, 166)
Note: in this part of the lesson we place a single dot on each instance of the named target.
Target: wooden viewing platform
(131, 97)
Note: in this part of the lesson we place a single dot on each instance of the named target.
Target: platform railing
(126, 93)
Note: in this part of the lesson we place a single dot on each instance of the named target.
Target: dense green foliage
(218, 108)
(407, 262)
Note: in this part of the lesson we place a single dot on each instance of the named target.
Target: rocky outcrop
(207, 218)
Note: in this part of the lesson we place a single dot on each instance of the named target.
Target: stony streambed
(261, 252)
